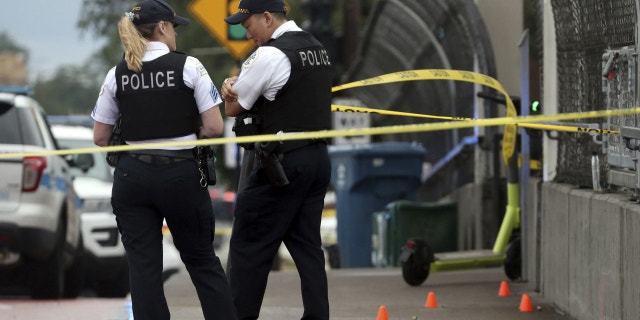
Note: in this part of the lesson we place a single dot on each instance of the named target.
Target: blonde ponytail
(134, 40)
(134, 43)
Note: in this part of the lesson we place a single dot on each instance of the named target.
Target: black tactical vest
(156, 103)
(304, 102)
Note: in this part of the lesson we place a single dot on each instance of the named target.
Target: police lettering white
(151, 80)
(314, 58)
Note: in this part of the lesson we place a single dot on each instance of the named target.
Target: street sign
(350, 120)
(211, 14)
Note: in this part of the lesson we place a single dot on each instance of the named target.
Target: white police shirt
(195, 76)
(265, 72)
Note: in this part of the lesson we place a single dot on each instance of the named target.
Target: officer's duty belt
(291, 145)
(161, 156)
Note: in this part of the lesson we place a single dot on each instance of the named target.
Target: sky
(48, 30)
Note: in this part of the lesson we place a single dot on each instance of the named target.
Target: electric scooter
(417, 259)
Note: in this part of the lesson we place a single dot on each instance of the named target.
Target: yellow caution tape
(510, 121)
(533, 164)
(218, 231)
(396, 129)
(509, 135)
(223, 231)
(551, 127)
(340, 108)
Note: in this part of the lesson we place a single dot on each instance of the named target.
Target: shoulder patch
(201, 69)
(249, 62)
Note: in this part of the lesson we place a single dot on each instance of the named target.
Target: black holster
(269, 155)
(247, 124)
(115, 140)
(206, 157)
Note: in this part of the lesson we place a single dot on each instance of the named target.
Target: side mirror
(84, 161)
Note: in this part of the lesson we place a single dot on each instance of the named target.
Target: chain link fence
(414, 34)
(587, 32)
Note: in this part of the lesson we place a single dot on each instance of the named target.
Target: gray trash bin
(365, 179)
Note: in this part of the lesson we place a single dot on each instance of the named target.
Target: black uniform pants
(144, 194)
(266, 216)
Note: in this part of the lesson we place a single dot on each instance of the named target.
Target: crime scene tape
(549, 127)
(396, 129)
(510, 121)
(509, 134)
(554, 127)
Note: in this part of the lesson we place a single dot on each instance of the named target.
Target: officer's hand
(227, 92)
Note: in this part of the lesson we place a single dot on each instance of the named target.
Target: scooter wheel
(413, 273)
(513, 260)
(415, 269)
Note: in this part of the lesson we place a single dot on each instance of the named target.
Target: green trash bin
(435, 222)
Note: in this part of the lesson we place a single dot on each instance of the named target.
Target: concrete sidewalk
(358, 294)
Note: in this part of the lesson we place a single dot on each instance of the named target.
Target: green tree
(99, 18)
(7, 43)
(71, 90)
(16, 73)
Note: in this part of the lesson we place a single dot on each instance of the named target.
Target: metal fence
(417, 34)
(588, 34)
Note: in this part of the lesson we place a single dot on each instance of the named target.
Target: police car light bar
(22, 90)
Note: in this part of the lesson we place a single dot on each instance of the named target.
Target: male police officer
(285, 85)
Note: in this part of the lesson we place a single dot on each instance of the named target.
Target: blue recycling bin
(365, 179)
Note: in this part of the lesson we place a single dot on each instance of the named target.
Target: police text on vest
(150, 80)
(314, 57)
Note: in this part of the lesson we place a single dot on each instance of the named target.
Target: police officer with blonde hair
(284, 86)
(162, 96)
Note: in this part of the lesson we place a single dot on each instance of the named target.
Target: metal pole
(351, 31)
(524, 149)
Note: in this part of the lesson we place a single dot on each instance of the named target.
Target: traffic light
(535, 107)
(236, 32)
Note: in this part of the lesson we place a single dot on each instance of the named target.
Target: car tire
(333, 256)
(74, 276)
(118, 287)
(47, 280)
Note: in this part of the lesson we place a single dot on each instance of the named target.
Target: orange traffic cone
(431, 300)
(504, 290)
(525, 304)
(382, 313)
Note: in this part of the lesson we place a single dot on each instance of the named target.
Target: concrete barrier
(589, 251)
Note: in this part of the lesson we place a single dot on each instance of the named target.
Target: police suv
(40, 241)
(107, 270)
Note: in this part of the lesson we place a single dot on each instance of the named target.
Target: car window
(9, 130)
(49, 132)
(18, 126)
(100, 169)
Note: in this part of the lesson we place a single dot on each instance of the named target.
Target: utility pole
(320, 22)
(351, 33)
